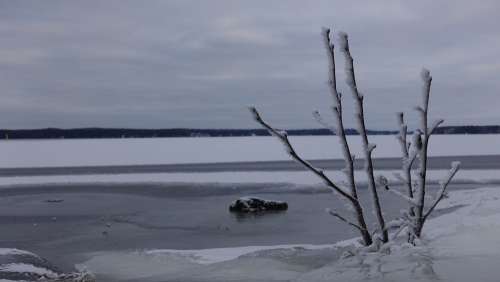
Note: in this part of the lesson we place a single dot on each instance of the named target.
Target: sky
(200, 64)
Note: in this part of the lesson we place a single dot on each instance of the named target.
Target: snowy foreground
(462, 244)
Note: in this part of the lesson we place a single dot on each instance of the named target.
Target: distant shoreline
(95, 132)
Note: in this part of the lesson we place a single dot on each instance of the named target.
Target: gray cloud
(200, 63)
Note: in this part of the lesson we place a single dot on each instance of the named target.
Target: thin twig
(283, 137)
(368, 147)
(337, 215)
(442, 192)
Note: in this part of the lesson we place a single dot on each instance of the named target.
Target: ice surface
(291, 177)
(251, 263)
(460, 245)
(81, 152)
(209, 256)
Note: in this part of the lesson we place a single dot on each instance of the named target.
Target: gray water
(103, 217)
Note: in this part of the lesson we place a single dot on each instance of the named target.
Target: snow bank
(28, 268)
(11, 251)
(219, 264)
(461, 245)
(216, 255)
(20, 265)
(82, 152)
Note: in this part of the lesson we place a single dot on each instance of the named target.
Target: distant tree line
(81, 133)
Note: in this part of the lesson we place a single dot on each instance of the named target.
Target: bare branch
(317, 116)
(402, 227)
(423, 138)
(283, 137)
(403, 131)
(419, 109)
(337, 110)
(409, 200)
(408, 159)
(330, 47)
(417, 140)
(434, 126)
(399, 177)
(408, 162)
(395, 223)
(426, 90)
(455, 166)
(368, 148)
(382, 181)
(337, 215)
(371, 147)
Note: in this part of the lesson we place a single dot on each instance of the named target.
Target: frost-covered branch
(337, 215)
(413, 219)
(399, 177)
(317, 116)
(341, 134)
(337, 106)
(401, 228)
(407, 163)
(434, 126)
(382, 181)
(283, 137)
(455, 166)
(352, 197)
(360, 118)
(407, 158)
(337, 110)
(332, 78)
(420, 146)
(403, 132)
(424, 141)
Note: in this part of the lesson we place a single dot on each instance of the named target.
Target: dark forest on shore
(56, 133)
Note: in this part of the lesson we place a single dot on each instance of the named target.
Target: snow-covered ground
(460, 245)
(81, 152)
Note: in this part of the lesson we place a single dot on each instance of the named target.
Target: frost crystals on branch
(351, 195)
(360, 118)
(418, 148)
(455, 166)
(412, 219)
(352, 198)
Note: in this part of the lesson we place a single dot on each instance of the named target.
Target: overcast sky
(199, 64)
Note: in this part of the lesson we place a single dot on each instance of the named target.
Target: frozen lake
(148, 151)
(116, 217)
(68, 200)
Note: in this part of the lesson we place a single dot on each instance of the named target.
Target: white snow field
(461, 245)
(82, 152)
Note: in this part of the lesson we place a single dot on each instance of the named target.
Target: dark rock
(54, 200)
(252, 204)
